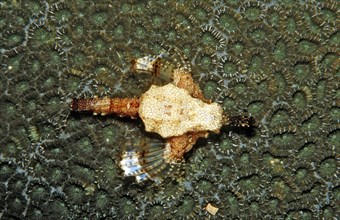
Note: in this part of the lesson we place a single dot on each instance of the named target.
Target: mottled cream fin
(171, 111)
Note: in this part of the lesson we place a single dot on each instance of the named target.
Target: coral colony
(274, 60)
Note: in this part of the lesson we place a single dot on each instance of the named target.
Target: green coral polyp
(245, 159)
(205, 186)
(232, 205)
(237, 47)
(312, 124)
(79, 30)
(75, 194)
(259, 35)
(306, 47)
(226, 144)
(291, 25)
(228, 23)
(254, 210)
(156, 212)
(256, 65)
(141, 32)
(329, 59)
(118, 31)
(249, 185)
(16, 206)
(50, 82)
(335, 114)
(55, 59)
(172, 35)
(39, 194)
(274, 205)
(102, 201)
(99, 18)
(200, 14)
(302, 71)
(157, 21)
(53, 105)
(14, 40)
(256, 107)
(187, 207)
(109, 134)
(229, 103)
(253, 14)
(209, 40)
(126, 8)
(299, 100)
(62, 16)
(229, 68)
(99, 45)
(58, 209)
(11, 149)
(206, 61)
(56, 175)
(127, 207)
(5, 171)
(109, 168)
(280, 51)
(274, 19)
(73, 83)
(210, 88)
(85, 145)
(280, 189)
(14, 63)
(36, 65)
(308, 152)
(328, 168)
(280, 116)
(37, 214)
(84, 174)
(328, 15)
(34, 7)
(43, 37)
(79, 59)
(240, 88)
(22, 87)
(8, 109)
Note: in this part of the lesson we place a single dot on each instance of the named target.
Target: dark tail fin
(241, 121)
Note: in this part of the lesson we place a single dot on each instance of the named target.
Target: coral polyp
(275, 61)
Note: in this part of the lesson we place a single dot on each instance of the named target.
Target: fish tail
(104, 106)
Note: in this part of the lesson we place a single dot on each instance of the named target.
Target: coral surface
(277, 61)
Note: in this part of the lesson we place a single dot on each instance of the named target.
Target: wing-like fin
(157, 66)
(145, 160)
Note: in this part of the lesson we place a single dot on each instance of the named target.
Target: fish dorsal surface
(171, 111)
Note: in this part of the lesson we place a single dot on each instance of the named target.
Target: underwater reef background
(275, 60)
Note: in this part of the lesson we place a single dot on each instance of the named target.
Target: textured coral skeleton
(177, 111)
